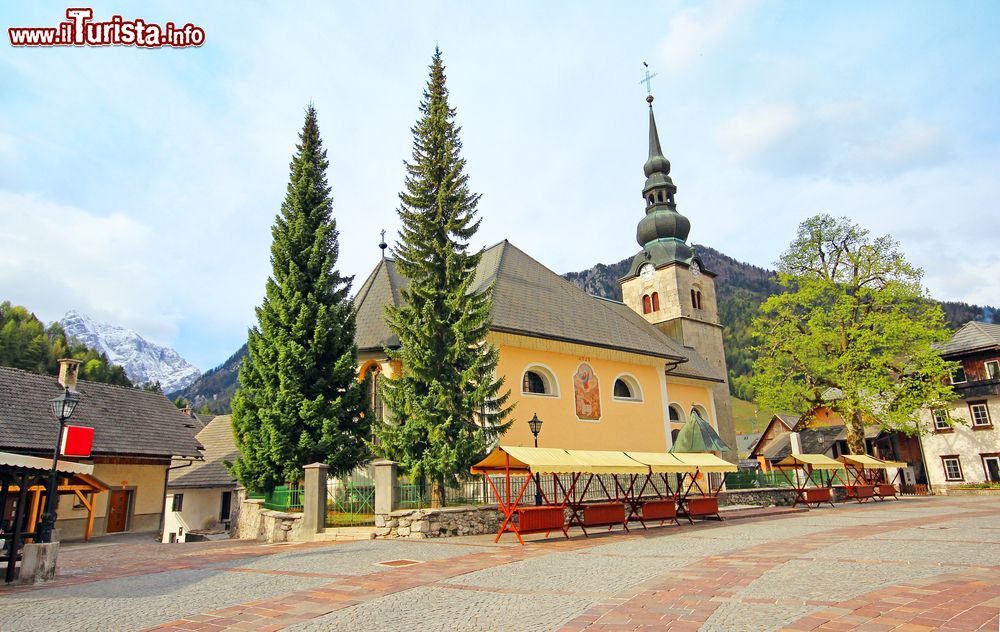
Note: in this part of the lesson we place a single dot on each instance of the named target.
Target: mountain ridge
(144, 362)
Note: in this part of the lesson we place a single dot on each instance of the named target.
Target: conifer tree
(299, 400)
(446, 406)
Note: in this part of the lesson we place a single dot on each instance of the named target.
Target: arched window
(533, 383)
(656, 301)
(627, 388)
(622, 390)
(374, 395)
(675, 413)
(697, 296)
(647, 305)
(539, 380)
(701, 411)
(694, 301)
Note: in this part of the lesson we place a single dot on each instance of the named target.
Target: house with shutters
(961, 443)
(136, 436)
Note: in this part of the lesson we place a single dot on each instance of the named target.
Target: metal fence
(752, 479)
(350, 500)
(478, 491)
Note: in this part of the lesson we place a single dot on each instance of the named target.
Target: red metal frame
(525, 520)
(804, 493)
(702, 505)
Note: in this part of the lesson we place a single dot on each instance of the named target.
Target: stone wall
(767, 496)
(968, 491)
(437, 523)
(257, 523)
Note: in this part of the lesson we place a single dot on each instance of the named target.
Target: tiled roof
(788, 420)
(126, 421)
(972, 336)
(814, 440)
(531, 300)
(217, 437)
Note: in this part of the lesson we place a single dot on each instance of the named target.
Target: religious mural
(586, 393)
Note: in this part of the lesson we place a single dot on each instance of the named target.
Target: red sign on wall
(77, 441)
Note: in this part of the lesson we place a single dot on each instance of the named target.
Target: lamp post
(62, 409)
(536, 426)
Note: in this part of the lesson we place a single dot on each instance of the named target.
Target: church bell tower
(667, 282)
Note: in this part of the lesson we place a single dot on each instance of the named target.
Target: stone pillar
(386, 490)
(314, 499)
(38, 562)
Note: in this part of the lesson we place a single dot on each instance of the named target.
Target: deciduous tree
(853, 331)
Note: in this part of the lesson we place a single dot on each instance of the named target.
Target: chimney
(187, 411)
(68, 369)
(796, 442)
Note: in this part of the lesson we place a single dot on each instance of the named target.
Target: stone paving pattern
(916, 564)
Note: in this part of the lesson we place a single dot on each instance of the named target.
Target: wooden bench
(885, 490)
(861, 493)
(603, 514)
(816, 496)
(662, 510)
(702, 507)
(538, 519)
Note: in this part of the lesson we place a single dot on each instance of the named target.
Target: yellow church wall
(686, 395)
(623, 425)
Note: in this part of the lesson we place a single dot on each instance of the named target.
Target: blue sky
(139, 186)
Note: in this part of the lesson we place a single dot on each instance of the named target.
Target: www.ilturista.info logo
(80, 30)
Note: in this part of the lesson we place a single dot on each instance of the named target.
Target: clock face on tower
(695, 268)
(646, 271)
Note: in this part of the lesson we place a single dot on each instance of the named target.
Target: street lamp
(536, 426)
(62, 408)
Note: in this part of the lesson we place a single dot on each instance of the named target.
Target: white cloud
(54, 258)
(696, 31)
(844, 140)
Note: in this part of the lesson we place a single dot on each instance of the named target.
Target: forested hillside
(741, 288)
(216, 387)
(26, 343)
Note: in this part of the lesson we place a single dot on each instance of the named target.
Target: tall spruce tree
(299, 399)
(446, 406)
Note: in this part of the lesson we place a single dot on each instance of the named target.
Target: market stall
(861, 476)
(799, 470)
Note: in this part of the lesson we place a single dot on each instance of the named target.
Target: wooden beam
(33, 512)
(90, 517)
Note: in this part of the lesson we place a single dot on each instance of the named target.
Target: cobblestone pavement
(916, 564)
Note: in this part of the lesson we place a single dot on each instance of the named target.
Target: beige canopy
(662, 462)
(705, 461)
(558, 461)
(897, 464)
(863, 460)
(816, 461)
(606, 462)
(524, 460)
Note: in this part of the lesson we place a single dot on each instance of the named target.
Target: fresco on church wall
(586, 393)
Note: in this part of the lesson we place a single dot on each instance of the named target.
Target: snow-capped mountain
(142, 360)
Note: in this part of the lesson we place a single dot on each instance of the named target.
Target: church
(600, 374)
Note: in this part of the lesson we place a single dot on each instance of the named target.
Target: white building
(200, 496)
(962, 444)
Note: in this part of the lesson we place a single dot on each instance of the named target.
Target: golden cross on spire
(648, 80)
